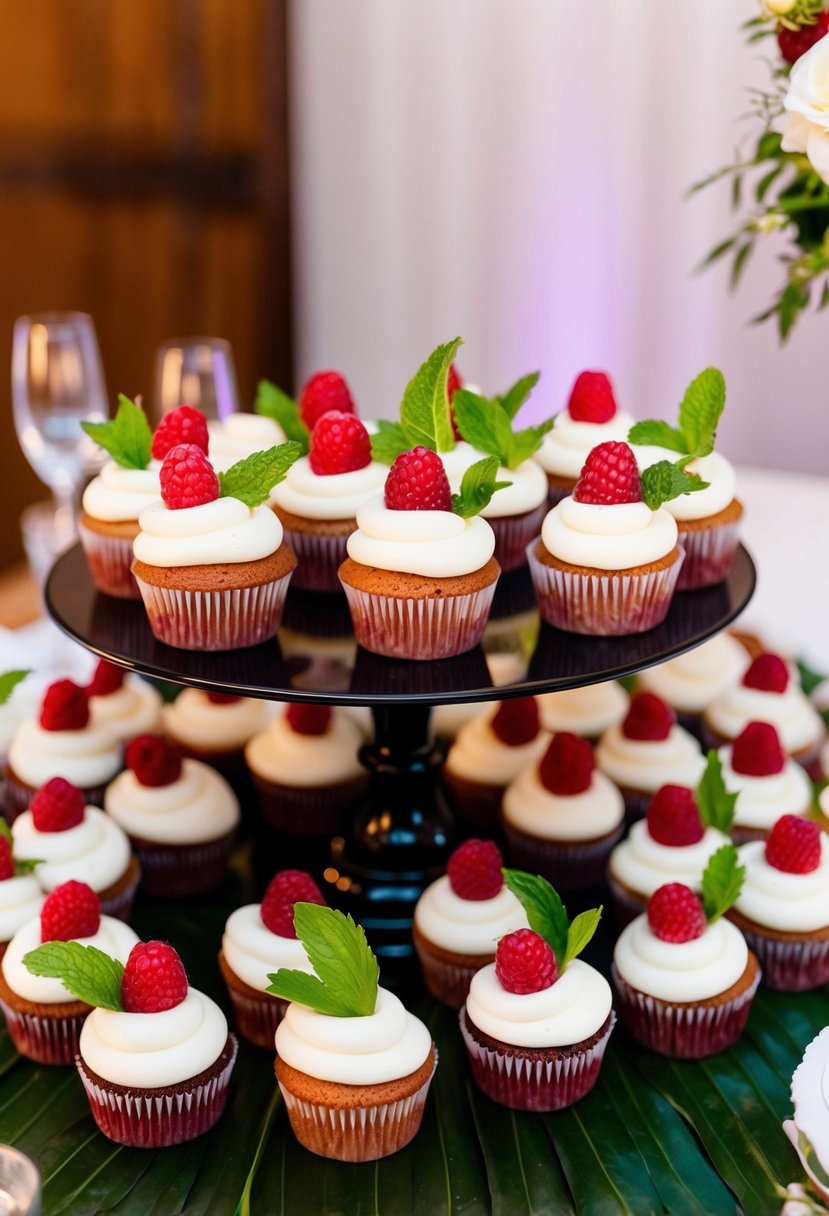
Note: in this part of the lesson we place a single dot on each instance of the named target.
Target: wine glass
(198, 372)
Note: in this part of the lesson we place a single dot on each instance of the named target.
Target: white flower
(777, 8)
(807, 107)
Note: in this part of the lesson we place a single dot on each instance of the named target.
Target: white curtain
(514, 171)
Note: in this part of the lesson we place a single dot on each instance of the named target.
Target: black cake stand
(399, 840)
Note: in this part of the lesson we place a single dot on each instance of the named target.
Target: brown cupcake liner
(744, 835)
(568, 865)
(709, 554)
(512, 535)
(18, 795)
(626, 905)
(230, 619)
(177, 871)
(636, 804)
(109, 559)
(477, 806)
(408, 628)
(307, 810)
(119, 903)
(789, 966)
(447, 981)
(319, 558)
(46, 1040)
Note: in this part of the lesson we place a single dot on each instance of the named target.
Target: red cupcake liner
(42, 1039)
(790, 966)
(568, 865)
(709, 555)
(448, 982)
(231, 619)
(512, 535)
(257, 1017)
(626, 906)
(307, 810)
(319, 559)
(535, 1084)
(687, 1031)
(600, 604)
(109, 559)
(177, 871)
(407, 628)
(18, 796)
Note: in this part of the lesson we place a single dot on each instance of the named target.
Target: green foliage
(9, 680)
(252, 479)
(722, 881)
(424, 410)
(88, 973)
(663, 481)
(486, 423)
(478, 484)
(547, 916)
(127, 437)
(716, 804)
(388, 442)
(272, 402)
(345, 983)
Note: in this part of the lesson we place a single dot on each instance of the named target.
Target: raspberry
(154, 979)
(515, 722)
(793, 845)
(308, 719)
(154, 760)
(474, 870)
(567, 765)
(222, 698)
(72, 910)
(794, 43)
(453, 383)
(6, 860)
(673, 817)
(323, 392)
(525, 963)
(417, 481)
(609, 476)
(285, 889)
(591, 398)
(107, 678)
(339, 444)
(187, 478)
(181, 425)
(57, 806)
(675, 913)
(768, 672)
(65, 706)
(757, 752)
(649, 718)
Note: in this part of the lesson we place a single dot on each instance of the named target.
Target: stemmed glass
(198, 372)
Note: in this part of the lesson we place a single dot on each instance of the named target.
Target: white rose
(807, 107)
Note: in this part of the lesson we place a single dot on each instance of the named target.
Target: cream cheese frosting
(384, 1046)
(526, 491)
(616, 537)
(224, 531)
(283, 755)
(569, 1011)
(328, 496)
(690, 681)
(532, 808)
(118, 495)
(698, 504)
(792, 714)
(195, 721)
(645, 764)
(95, 851)
(643, 864)
(479, 755)
(435, 544)
(254, 953)
(113, 937)
(152, 1050)
(133, 709)
(240, 435)
(565, 448)
(198, 806)
(683, 971)
(20, 900)
(86, 757)
(467, 926)
(762, 800)
(586, 711)
(789, 903)
(23, 702)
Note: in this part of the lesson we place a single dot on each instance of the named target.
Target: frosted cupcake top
(470, 908)
(113, 937)
(131, 709)
(646, 764)
(95, 850)
(713, 468)
(306, 747)
(564, 797)
(337, 496)
(119, 495)
(586, 711)
(643, 864)
(240, 435)
(197, 721)
(761, 800)
(196, 806)
(436, 544)
(591, 417)
(494, 747)
(767, 693)
(785, 902)
(259, 939)
(571, 1010)
(692, 680)
(679, 972)
(526, 491)
(62, 741)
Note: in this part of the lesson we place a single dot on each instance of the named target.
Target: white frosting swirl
(647, 764)
(586, 711)
(23, 702)
(789, 903)
(151, 1050)
(526, 491)
(199, 806)
(222, 531)
(133, 709)
(195, 721)
(328, 496)
(644, 865)
(565, 448)
(283, 755)
(479, 755)
(762, 800)
(387, 1044)
(467, 926)
(435, 544)
(239, 436)
(20, 900)
(119, 495)
(697, 504)
(95, 851)
(113, 937)
(614, 537)
(254, 953)
(533, 809)
(693, 679)
(86, 757)
(681, 971)
(568, 1012)
(792, 714)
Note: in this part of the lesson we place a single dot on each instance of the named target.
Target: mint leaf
(581, 930)
(722, 881)
(546, 913)
(700, 411)
(477, 420)
(512, 400)
(388, 442)
(527, 442)
(252, 479)
(664, 481)
(716, 804)
(127, 437)
(9, 680)
(658, 434)
(88, 973)
(20, 867)
(477, 487)
(272, 402)
(346, 978)
(424, 411)
(809, 679)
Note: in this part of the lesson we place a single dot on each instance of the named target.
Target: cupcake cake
(691, 681)
(181, 818)
(44, 1016)
(684, 976)
(460, 918)
(125, 704)
(21, 897)
(591, 417)
(209, 558)
(768, 783)
(648, 750)
(154, 1055)
(537, 1020)
(587, 711)
(561, 817)
(214, 727)
(258, 940)
(354, 1067)
(65, 839)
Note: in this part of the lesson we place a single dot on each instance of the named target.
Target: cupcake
(13, 707)
(209, 559)
(488, 753)
(689, 682)
(238, 436)
(154, 1055)
(648, 750)
(537, 1020)
(591, 417)
(783, 907)
(459, 919)
(258, 940)
(807, 1128)
(21, 897)
(587, 711)
(66, 839)
(214, 727)
(61, 741)
(44, 1016)
(607, 560)
(768, 783)
(448, 718)
(126, 704)
(684, 976)
(181, 818)
(354, 1067)
(561, 817)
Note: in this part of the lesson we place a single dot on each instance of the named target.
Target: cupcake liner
(448, 982)
(319, 558)
(708, 555)
(109, 559)
(683, 1032)
(407, 628)
(604, 605)
(512, 535)
(477, 807)
(626, 905)
(157, 1118)
(556, 493)
(307, 810)
(257, 1018)
(636, 804)
(230, 619)
(743, 835)
(568, 865)
(536, 1084)
(18, 796)
(177, 871)
(120, 903)
(790, 966)
(43, 1039)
